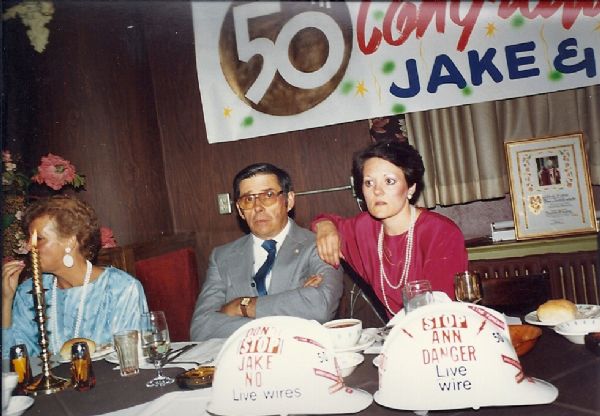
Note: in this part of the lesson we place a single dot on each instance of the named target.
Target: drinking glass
(156, 342)
(416, 294)
(467, 287)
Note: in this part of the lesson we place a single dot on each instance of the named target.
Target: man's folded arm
(319, 303)
(207, 321)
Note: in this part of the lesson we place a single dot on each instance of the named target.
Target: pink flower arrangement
(54, 172)
(57, 172)
(107, 238)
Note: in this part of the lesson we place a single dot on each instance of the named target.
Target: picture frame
(550, 186)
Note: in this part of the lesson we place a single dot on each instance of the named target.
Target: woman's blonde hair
(72, 217)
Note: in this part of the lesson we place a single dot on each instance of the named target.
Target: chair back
(171, 285)
(516, 295)
(167, 268)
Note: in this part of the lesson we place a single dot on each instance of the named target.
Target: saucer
(364, 342)
(17, 405)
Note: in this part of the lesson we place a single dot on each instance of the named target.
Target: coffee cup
(9, 382)
(344, 333)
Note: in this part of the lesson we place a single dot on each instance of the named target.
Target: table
(573, 369)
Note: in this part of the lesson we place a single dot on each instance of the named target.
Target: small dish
(17, 405)
(364, 342)
(196, 378)
(583, 312)
(9, 382)
(524, 337)
(576, 329)
(348, 361)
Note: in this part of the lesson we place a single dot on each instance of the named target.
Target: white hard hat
(452, 356)
(281, 365)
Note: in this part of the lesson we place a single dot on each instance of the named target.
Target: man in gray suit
(275, 270)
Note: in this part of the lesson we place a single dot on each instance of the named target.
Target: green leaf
(79, 181)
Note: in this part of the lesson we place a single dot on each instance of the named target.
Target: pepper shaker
(20, 364)
(82, 374)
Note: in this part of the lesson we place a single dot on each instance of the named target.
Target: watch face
(245, 301)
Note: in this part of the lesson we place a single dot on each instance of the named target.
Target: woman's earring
(410, 196)
(67, 258)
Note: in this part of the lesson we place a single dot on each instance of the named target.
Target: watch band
(244, 306)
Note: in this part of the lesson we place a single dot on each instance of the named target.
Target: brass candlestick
(46, 382)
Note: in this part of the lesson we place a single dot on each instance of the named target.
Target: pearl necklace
(407, 259)
(86, 280)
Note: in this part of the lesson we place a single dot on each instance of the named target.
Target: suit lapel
(284, 269)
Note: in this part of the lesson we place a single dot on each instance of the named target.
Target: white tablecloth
(176, 403)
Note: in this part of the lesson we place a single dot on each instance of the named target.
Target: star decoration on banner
(361, 89)
(227, 112)
(490, 30)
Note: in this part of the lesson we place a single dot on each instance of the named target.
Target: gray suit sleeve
(318, 303)
(207, 321)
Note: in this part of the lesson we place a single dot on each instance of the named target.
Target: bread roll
(65, 350)
(557, 311)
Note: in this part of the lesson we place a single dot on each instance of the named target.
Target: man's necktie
(264, 270)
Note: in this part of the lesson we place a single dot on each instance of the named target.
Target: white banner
(270, 67)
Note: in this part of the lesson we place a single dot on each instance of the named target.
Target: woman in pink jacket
(394, 242)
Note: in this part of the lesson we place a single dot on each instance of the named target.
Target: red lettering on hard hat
(444, 321)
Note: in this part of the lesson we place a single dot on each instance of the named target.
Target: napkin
(377, 334)
(204, 352)
(175, 403)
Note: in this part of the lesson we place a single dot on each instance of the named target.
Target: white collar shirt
(260, 254)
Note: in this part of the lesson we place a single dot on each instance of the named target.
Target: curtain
(463, 147)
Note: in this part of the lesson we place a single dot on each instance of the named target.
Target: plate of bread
(556, 311)
(96, 351)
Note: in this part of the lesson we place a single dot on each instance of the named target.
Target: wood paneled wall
(89, 98)
(116, 93)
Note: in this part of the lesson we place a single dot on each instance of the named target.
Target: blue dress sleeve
(24, 329)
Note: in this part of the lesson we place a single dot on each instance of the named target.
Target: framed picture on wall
(550, 187)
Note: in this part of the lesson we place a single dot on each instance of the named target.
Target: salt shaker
(82, 374)
(19, 363)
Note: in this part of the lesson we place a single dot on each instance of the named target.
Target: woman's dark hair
(397, 152)
(262, 169)
(72, 217)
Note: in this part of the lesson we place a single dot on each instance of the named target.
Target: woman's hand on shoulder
(328, 243)
(10, 278)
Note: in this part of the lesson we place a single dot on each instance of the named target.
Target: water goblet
(467, 287)
(156, 342)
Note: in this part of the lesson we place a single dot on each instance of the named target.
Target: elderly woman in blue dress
(82, 299)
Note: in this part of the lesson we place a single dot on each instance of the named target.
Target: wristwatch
(244, 306)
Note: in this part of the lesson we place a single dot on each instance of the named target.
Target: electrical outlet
(224, 204)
